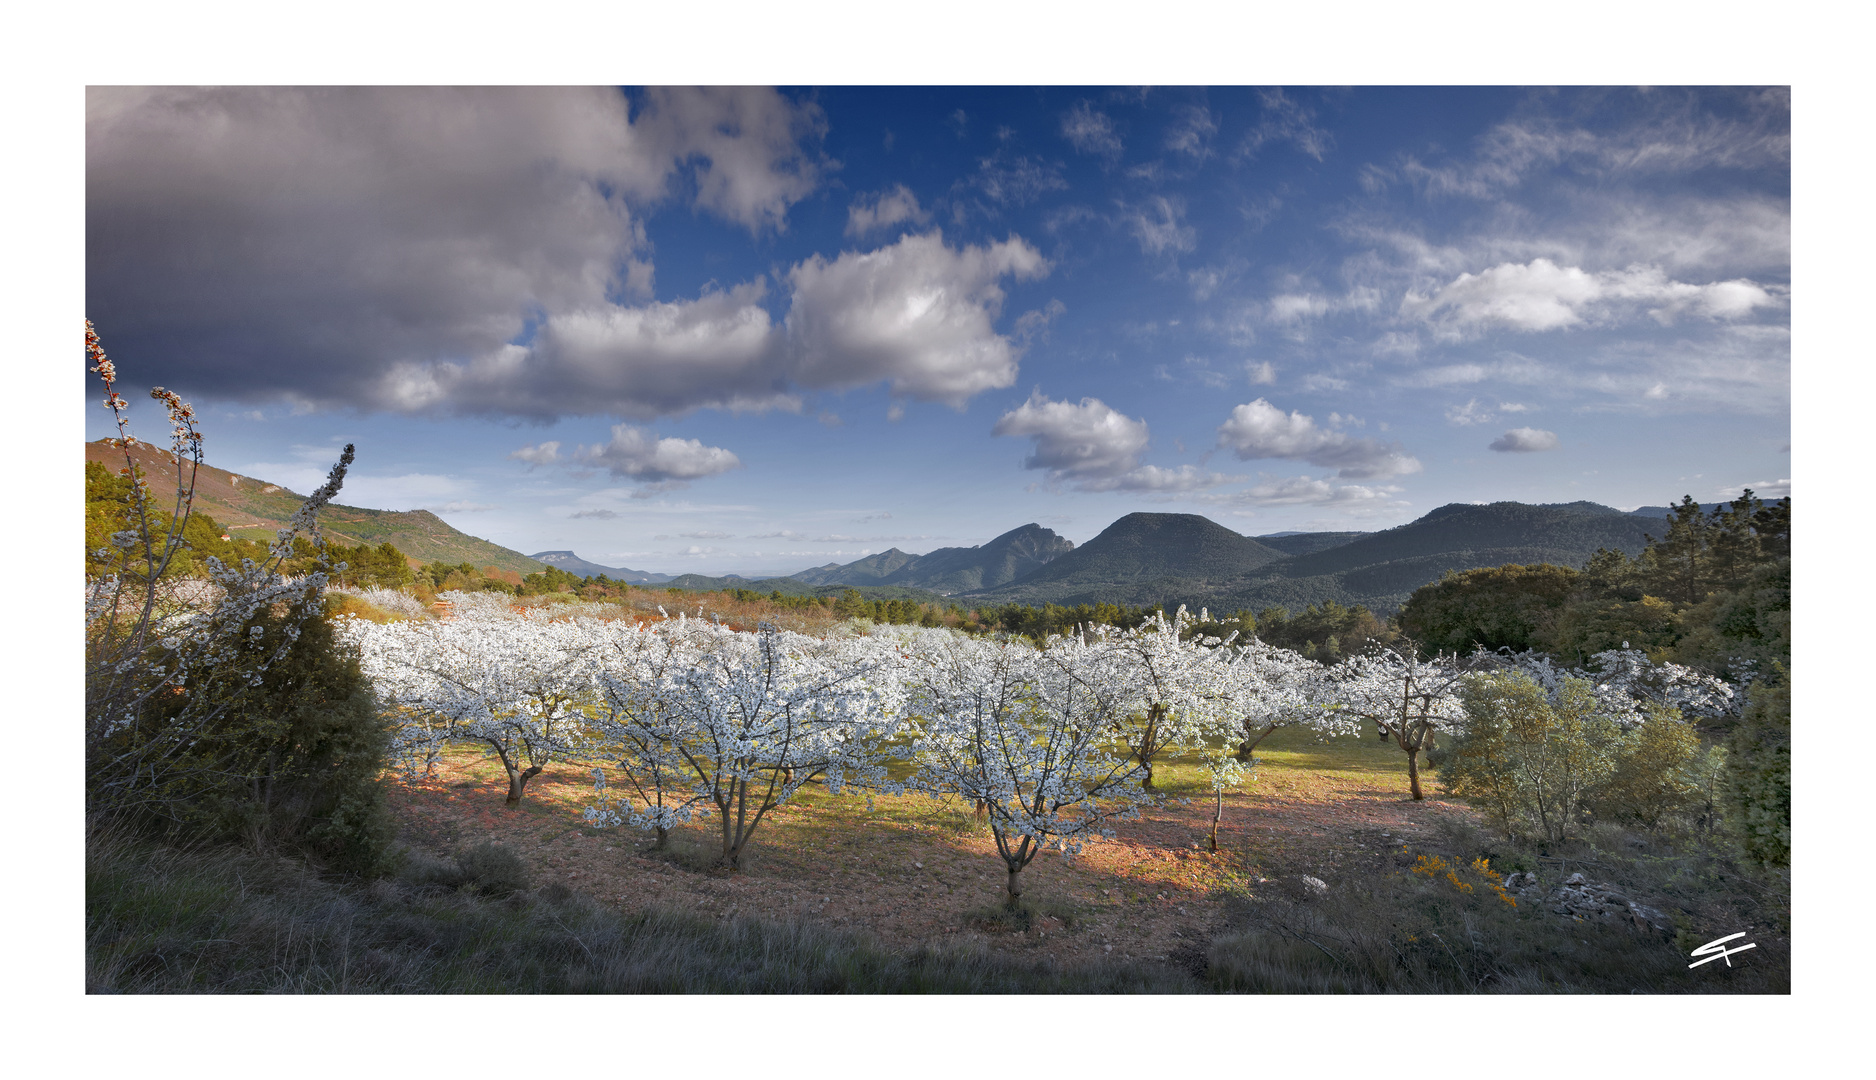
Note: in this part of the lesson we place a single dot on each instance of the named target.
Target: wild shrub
(1529, 758)
(495, 869)
(221, 705)
(1655, 782)
(1759, 762)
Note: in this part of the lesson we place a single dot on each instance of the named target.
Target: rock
(1576, 879)
(1314, 884)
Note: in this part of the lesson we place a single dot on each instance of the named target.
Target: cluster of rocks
(1580, 898)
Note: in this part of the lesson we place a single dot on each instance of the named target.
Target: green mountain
(950, 570)
(1138, 559)
(1177, 559)
(255, 509)
(1302, 543)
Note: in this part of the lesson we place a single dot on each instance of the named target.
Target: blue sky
(758, 330)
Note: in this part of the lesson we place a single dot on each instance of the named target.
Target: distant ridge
(1187, 559)
(573, 564)
(1139, 549)
(1006, 558)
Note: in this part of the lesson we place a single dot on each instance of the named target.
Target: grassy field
(904, 895)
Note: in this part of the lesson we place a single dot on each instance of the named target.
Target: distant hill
(1302, 543)
(1142, 551)
(573, 564)
(950, 570)
(1668, 511)
(253, 508)
(1176, 559)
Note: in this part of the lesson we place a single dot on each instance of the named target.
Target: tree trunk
(1015, 899)
(980, 812)
(1218, 813)
(1249, 746)
(664, 837)
(1413, 771)
(518, 782)
(1148, 782)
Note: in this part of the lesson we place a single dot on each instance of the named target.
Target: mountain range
(1174, 559)
(1140, 559)
(573, 564)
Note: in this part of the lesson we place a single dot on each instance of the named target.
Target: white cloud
(1192, 133)
(719, 350)
(1310, 491)
(545, 454)
(1764, 490)
(635, 453)
(1015, 180)
(917, 314)
(1470, 413)
(883, 210)
(600, 514)
(1076, 441)
(462, 506)
(1091, 131)
(1035, 323)
(1286, 120)
(1525, 440)
(1540, 295)
(1260, 373)
(750, 140)
(1156, 224)
(1656, 131)
(1091, 447)
(1261, 430)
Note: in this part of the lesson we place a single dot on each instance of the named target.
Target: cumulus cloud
(547, 453)
(1359, 499)
(917, 314)
(638, 454)
(1541, 295)
(1524, 440)
(600, 514)
(1261, 430)
(1091, 131)
(359, 230)
(883, 210)
(1092, 447)
(1075, 440)
(719, 350)
(751, 144)
(1158, 225)
(1260, 373)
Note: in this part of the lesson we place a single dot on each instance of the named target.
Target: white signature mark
(1718, 950)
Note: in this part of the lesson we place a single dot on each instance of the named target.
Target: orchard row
(685, 719)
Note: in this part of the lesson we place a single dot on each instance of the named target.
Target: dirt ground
(913, 870)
